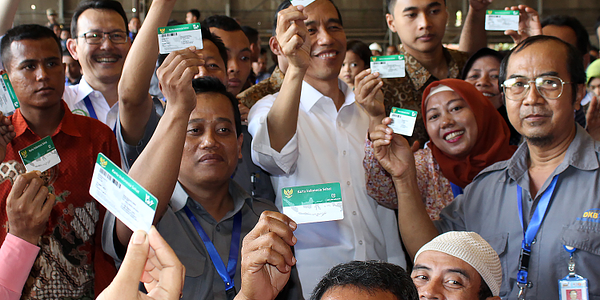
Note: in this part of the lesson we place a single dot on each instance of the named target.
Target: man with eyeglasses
(537, 209)
(100, 43)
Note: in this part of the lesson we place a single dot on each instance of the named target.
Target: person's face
(65, 34)
(190, 18)
(484, 76)
(213, 62)
(72, 68)
(260, 66)
(56, 29)
(239, 55)
(542, 121)
(351, 292)
(573, 295)
(391, 50)
(451, 124)
(594, 86)
(134, 25)
(444, 277)
(375, 53)
(102, 62)
(564, 33)
(36, 72)
(212, 147)
(328, 41)
(420, 24)
(351, 67)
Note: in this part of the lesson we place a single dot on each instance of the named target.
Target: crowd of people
(493, 196)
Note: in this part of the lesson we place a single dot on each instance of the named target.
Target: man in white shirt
(313, 132)
(100, 43)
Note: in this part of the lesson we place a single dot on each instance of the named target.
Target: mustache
(540, 111)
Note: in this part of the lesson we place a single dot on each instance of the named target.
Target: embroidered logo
(591, 215)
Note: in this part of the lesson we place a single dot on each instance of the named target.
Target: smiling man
(312, 132)
(100, 43)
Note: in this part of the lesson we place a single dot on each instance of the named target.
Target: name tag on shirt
(313, 203)
(403, 121)
(40, 156)
(122, 196)
(501, 20)
(391, 66)
(302, 2)
(179, 37)
(8, 98)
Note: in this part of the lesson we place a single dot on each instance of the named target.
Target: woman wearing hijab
(467, 135)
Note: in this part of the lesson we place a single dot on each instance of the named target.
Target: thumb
(415, 146)
(131, 270)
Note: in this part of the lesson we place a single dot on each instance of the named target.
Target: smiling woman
(467, 135)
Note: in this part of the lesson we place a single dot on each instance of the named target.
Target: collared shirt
(327, 147)
(16, 259)
(489, 207)
(74, 96)
(202, 280)
(71, 263)
(262, 89)
(407, 92)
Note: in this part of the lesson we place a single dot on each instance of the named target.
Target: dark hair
(222, 22)
(263, 50)
(483, 52)
(286, 3)
(97, 4)
(25, 32)
(574, 60)
(213, 85)
(251, 34)
(583, 40)
(392, 3)
(195, 13)
(484, 290)
(361, 49)
(206, 35)
(368, 276)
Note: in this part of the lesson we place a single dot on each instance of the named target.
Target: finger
(48, 205)
(378, 84)
(257, 259)
(286, 17)
(131, 270)
(32, 189)
(170, 276)
(275, 222)
(40, 197)
(271, 242)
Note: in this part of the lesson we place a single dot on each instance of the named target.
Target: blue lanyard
(90, 107)
(456, 190)
(227, 274)
(533, 227)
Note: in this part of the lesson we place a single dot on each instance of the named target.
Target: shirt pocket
(499, 243)
(585, 236)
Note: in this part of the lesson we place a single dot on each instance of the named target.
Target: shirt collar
(310, 96)
(83, 90)
(419, 75)
(67, 124)
(579, 155)
(180, 197)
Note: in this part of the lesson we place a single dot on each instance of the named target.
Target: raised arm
(293, 39)
(529, 23)
(157, 167)
(396, 156)
(135, 104)
(473, 36)
(8, 10)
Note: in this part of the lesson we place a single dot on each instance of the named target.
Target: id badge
(573, 287)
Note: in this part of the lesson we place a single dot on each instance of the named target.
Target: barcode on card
(114, 181)
(170, 34)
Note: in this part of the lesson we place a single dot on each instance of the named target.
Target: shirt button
(354, 213)
(344, 152)
(218, 228)
(347, 182)
(360, 242)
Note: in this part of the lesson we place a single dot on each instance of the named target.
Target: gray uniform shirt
(489, 207)
(202, 280)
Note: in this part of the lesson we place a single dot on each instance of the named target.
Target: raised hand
(267, 257)
(28, 207)
(175, 76)
(479, 5)
(367, 92)
(529, 23)
(149, 259)
(393, 151)
(592, 118)
(292, 36)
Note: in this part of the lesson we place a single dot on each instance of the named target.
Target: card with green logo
(403, 121)
(502, 20)
(391, 66)
(122, 196)
(40, 156)
(8, 98)
(178, 37)
(313, 203)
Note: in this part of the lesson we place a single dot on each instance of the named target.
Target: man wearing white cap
(457, 265)
(376, 49)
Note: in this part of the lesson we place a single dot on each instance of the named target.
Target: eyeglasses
(97, 37)
(550, 87)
